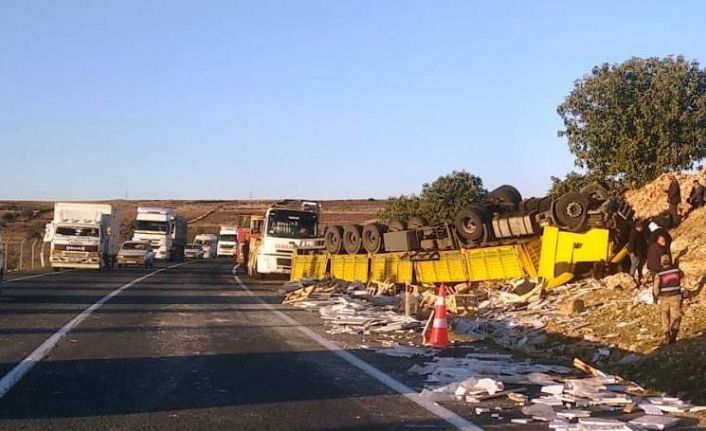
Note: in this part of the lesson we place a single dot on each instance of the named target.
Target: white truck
(227, 241)
(208, 243)
(165, 230)
(287, 225)
(83, 235)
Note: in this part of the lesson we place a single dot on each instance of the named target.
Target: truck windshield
(227, 238)
(292, 224)
(203, 242)
(77, 231)
(152, 226)
(134, 246)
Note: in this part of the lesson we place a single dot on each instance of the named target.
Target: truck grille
(284, 261)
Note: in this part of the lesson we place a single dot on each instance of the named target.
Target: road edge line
(44, 274)
(13, 377)
(387, 380)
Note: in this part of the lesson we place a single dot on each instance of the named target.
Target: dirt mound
(651, 200)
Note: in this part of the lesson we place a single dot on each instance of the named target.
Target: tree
(574, 182)
(439, 200)
(637, 119)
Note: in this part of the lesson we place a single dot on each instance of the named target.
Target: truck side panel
(551, 258)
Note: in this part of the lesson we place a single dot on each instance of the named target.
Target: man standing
(667, 290)
(659, 247)
(637, 247)
(674, 199)
(696, 196)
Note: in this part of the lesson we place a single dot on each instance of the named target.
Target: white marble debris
(655, 422)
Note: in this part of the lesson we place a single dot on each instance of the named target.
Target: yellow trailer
(550, 258)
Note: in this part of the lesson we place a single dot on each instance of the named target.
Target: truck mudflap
(551, 259)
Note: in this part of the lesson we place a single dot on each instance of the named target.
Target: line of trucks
(87, 235)
(502, 236)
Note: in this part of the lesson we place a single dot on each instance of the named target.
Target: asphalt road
(186, 348)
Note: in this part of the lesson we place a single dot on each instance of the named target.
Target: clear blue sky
(317, 99)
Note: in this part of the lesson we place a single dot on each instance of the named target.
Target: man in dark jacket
(655, 251)
(637, 247)
(674, 199)
(696, 196)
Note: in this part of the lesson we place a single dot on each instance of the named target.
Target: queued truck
(165, 230)
(549, 239)
(83, 235)
(286, 226)
(227, 241)
(208, 243)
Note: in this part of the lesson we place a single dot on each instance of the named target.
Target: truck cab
(208, 243)
(227, 241)
(164, 230)
(285, 227)
(83, 235)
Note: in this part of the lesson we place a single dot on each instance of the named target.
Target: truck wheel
(470, 225)
(571, 211)
(396, 226)
(415, 222)
(333, 239)
(507, 195)
(545, 204)
(353, 238)
(530, 205)
(372, 238)
(595, 191)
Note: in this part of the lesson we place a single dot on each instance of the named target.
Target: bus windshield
(292, 224)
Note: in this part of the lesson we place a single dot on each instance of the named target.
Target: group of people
(696, 199)
(650, 245)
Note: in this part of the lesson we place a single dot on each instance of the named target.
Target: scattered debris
(349, 308)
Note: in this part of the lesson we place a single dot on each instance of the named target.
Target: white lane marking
(383, 378)
(15, 375)
(37, 276)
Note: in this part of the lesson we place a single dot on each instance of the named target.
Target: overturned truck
(503, 236)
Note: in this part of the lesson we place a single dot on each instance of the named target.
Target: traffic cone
(438, 334)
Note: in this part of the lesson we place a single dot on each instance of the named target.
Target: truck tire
(415, 222)
(372, 238)
(353, 238)
(507, 195)
(333, 239)
(595, 191)
(396, 226)
(529, 206)
(545, 204)
(470, 225)
(571, 211)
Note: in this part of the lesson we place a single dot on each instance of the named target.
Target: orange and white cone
(438, 334)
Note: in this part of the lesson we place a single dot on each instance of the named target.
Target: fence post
(22, 250)
(41, 254)
(7, 252)
(34, 245)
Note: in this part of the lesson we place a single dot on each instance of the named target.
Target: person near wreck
(637, 247)
(696, 196)
(674, 199)
(668, 291)
(660, 245)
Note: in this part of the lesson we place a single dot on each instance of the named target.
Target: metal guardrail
(25, 255)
